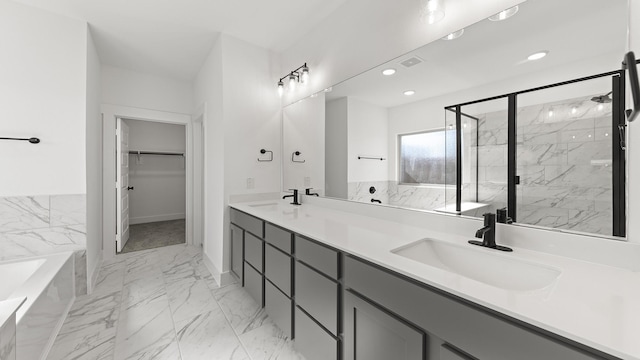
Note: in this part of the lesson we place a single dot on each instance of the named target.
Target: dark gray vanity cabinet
(237, 251)
(317, 298)
(371, 333)
(247, 252)
(278, 263)
(456, 329)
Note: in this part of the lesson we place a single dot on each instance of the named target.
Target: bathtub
(48, 284)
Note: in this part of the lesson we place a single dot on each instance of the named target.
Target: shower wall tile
(585, 153)
(564, 153)
(359, 191)
(25, 212)
(68, 210)
(495, 155)
(578, 175)
(545, 154)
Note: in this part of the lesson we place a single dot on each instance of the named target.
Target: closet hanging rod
(155, 153)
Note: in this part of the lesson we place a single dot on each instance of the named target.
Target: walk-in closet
(153, 154)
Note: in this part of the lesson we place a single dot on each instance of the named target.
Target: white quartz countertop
(593, 304)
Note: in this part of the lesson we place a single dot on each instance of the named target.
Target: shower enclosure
(552, 155)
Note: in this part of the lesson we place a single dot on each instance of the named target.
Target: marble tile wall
(564, 154)
(407, 196)
(8, 339)
(41, 225)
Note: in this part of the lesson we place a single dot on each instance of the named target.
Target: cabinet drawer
(247, 222)
(318, 296)
(312, 341)
(278, 237)
(449, 353)
(278, 306)
(277, 268)
(237, 251)
(253, 283)
(253, 251)
(318, 256)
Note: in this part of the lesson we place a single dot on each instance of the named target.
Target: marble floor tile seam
(235, 332)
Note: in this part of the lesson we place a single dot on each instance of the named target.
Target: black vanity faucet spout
(307, 191)
(294, 196)
(488, 234)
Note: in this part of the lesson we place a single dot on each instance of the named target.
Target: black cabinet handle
(129, 187)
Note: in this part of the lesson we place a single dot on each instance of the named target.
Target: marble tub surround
(164, 304)
(587, 303)
(423, 197)
(564, 159)
(42, 225)
(8, 309)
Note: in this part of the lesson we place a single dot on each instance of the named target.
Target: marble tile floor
(164, 304)
(155, 234)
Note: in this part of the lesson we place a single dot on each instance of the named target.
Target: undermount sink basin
(480, 264)
(266, 206)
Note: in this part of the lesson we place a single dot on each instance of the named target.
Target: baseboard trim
(155, 218)
(222, 278)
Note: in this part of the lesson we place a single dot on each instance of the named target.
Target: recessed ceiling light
(454, 35)
(504, 14)
(388, 72)
(537, 56)
(409, 92)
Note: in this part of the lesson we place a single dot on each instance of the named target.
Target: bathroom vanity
(350, 286)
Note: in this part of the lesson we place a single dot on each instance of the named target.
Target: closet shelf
(144, 152)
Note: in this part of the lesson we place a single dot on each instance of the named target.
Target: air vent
(412, 61)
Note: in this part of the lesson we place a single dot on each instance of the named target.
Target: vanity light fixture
(299, 75)
(504, 14)
(538, 55)
(454, 35)
(432, 11)
(409, 92)
(388, 72)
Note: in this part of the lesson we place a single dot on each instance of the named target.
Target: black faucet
(502, 216)
(294, 196)
(488, 234)
(307, 191)
(376, 201)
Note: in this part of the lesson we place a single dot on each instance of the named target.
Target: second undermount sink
(499, 270)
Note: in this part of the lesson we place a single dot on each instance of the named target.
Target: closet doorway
(151, 196)
(134, 167)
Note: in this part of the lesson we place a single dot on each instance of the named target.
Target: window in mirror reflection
(427, 158)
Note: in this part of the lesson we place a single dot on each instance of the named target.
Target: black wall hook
(33, 140)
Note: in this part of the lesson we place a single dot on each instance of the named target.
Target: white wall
(236, 126)
(362, 34)
(131, 88)
(368, 131)
(336, 162)
(43, 91)
(159, 181)
(94, 160)
(304, 130)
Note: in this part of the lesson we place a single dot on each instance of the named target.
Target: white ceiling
(488, 52)
(173, 37)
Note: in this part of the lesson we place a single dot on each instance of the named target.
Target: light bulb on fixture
(504, 14)
(292, 82)
(304, 76)
(574, 110)
(551, 113)
(454, 35)
(432, 11)
(600, 107)
(280, 88)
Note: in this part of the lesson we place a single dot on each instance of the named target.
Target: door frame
(110, 114)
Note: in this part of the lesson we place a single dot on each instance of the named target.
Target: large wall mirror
(476, 123)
